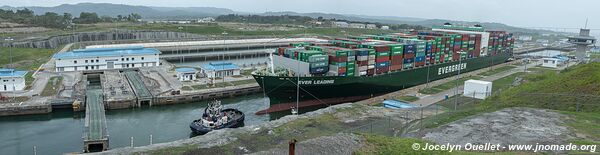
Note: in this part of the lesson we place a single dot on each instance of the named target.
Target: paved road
(41, 77)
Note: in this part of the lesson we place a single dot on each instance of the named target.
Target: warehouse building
(12, 80)
(220, 69)
(106, 58)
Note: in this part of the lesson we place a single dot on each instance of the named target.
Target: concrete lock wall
(56, 41)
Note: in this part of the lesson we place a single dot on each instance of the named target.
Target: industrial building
(12, 80)
(186, 74)
(106, 58)
(220, 69)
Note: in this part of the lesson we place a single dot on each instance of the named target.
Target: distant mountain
(404, 20)
(107, 9)
(149, 12)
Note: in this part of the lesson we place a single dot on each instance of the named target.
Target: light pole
(458, 79)
(9, 39)
(224, 50)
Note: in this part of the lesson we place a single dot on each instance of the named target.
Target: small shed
(186, 74)
(477, 89)
(551, 62)
(220, 69)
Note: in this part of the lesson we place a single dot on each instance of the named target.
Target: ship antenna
(586, 21)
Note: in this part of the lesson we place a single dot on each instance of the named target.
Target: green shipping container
(318, 64)
(379, 54)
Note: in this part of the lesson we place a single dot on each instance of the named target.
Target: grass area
(505, 82)
(28, 59)
(583, 79)
(447, 85)
(25, 58)
(52, 87)
(408, 98)
(243, 82)
(587, 123)
(216, 29)
(497, 70)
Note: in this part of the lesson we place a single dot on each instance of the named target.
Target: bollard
(131, 141)
(150, 139)
(292, 147)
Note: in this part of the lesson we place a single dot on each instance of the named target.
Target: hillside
(107, 9)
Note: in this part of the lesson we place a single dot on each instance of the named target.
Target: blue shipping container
(319, 70)
(362, 53)
(383, 64)
(420, 59)
(409, 60)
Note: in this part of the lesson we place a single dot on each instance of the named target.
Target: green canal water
(61, 131)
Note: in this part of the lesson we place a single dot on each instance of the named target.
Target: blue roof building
(106, 58)
(186, 74)
(220, 69)
(11, 73)
(106, 52)
(12, 80)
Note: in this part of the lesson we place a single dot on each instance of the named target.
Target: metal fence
(413, 121)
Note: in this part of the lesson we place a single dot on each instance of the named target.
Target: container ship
(359, 67)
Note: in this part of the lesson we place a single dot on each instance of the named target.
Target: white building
(206, 20)
(525, 38)
(220, 69)
(371, 26)
(385, 27)
(106, 58)
(477, 89)
(186, 74)
(357, 25)
(340, 24)
(551, 62)
(12, 80)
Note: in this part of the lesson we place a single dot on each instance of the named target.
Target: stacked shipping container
(379, 54)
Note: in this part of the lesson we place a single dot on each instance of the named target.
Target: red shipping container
(382, 59)
(338, 59)
(396, 57)
(342, 70)
(397, 62)
(395, 67)
(409, 55)
(382, 48)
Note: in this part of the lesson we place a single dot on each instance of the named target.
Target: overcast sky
(524, 13)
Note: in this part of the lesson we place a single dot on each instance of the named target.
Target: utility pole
(457, 79)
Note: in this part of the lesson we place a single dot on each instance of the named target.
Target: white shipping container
(371, 66)
(477, 89)
(362, 58)
(302, 68)
(371, 57)
(371, 62)
(362, 68)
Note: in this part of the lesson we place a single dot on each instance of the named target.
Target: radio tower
(582, 41)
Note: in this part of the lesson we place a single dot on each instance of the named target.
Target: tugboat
(215, 118)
